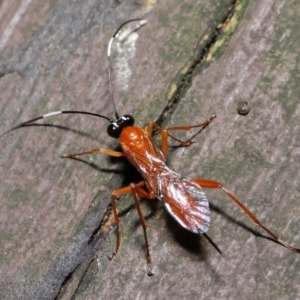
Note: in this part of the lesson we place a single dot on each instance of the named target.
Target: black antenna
(55, 113)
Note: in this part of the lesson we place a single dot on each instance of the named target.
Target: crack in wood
(210, 46)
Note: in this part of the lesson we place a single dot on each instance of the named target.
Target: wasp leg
(216, 185)
(137, 191)
(97, 150)
(165, 134)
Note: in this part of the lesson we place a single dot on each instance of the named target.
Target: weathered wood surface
(53, 56)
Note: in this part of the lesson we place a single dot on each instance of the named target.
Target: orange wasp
(184, 199)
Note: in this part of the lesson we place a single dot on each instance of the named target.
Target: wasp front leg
(93, 151)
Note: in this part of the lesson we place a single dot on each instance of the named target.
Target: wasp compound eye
(127, 120)
(114, 131)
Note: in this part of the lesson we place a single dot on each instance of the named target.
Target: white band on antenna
(109, 46)
(54, 113)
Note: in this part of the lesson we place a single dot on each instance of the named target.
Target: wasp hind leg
(205, 183)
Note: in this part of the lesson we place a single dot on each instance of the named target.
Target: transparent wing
(186, 202)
